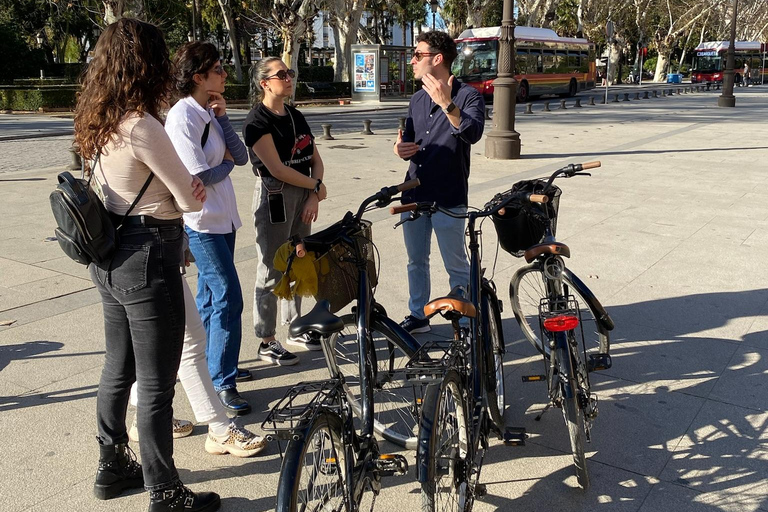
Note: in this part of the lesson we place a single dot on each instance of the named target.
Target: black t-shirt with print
(295, 151)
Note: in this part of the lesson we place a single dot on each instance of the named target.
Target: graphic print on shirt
(302, 142)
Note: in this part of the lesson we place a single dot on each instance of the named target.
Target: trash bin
(674, 78)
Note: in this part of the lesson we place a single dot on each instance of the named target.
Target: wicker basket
(517, 228)
(337, 273)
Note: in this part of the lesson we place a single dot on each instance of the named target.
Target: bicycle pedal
(515, 436)
(389, 464)
(534, 378)
(329, 467)
(599, 362)
(480, 490)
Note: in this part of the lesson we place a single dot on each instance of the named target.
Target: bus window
(522, 62)
(584, 65)
(535, 64)
(561, 63)
(548, 61)
(573, 62)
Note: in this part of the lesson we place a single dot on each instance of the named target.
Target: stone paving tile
(744, 382)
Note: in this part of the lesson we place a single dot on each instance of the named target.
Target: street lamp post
(727, 99)
(434, 5)
(503, 142)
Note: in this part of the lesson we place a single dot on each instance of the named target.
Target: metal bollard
(577, 104)
(546, 106)
(615, 99)
(488, 111)
(401, 123)
(626, 96)
(591, 101)
(671, 92)
(645, 95)
(655, 93)
(529, 108)
(327, 132)
(637, 95)
(562, 105)
(77, 162)
(366, 127)
(679, 91)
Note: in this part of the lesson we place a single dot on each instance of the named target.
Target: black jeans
(143, 301)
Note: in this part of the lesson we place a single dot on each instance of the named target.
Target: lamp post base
(726, 101)
(502, 145)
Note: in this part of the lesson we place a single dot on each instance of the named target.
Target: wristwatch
(450, 108)
(317, 186)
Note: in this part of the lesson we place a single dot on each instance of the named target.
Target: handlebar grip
(301, 251)
(408, 185)
(403, 207)
(590, 165)
(539, 198)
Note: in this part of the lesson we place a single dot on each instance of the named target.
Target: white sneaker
(305, 341)
(181, 428)
(238, 441)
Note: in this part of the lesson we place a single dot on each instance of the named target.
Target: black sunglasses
(282, 75)
(420, 55)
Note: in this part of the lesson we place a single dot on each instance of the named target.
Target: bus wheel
(523, 93)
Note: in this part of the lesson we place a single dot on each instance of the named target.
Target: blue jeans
(220, 303)
(450, 240)
(143, 301)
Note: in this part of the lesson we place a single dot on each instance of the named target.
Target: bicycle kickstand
(546, 408)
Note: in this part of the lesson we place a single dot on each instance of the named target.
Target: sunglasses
(219, 69)
(420, 55)
(282, 75)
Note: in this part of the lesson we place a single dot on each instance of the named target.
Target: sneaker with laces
(181, 428)
(238, 441)
(306, 341)
(274, 352)
(415, 325)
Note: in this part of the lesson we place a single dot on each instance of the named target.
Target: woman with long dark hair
(118, 127)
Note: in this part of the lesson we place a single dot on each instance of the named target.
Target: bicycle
(332, 459)
(546, 294)
(465, 399)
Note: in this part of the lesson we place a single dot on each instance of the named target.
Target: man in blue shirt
(447, 118)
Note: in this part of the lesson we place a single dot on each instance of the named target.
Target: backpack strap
(136, 201)
(205, 134)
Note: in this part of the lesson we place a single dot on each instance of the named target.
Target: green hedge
(316, 73)
(14, 98)
(342, 91)
(236, 92)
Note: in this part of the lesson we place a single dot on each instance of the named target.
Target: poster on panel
(365, 72)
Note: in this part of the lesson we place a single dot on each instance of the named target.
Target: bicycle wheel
(528, 287)
(395, 414)
(444, 426)
(494, 360)
(573, 413)
(312, 476)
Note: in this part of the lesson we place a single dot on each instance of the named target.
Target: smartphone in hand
(409, 134)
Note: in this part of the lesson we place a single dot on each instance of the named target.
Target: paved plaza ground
(671, 234)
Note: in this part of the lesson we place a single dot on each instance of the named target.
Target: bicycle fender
(605, 321)
(429, 412)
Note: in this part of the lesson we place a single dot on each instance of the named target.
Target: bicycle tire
(526, 290)
(443, 428)
(574, 415)
(495, 385)
(395, 415)
(319, 454)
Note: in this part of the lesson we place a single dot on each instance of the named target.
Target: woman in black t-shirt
(285, 201)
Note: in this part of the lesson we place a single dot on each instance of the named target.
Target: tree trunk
(232, 33)
(345, 28)
(613, 66)
(116, 9)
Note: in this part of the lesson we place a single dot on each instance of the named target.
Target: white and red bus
(709, 61)
(545, 62)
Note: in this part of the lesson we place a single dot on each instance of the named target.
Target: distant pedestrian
(289, 187)
(448, 117)
(210, 148)
(117, 124)
(746, 78)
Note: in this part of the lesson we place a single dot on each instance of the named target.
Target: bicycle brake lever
(413, 216)
(583, 174)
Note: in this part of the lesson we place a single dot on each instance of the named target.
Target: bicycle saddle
(537, 250)
(320, 320)
(454, 301)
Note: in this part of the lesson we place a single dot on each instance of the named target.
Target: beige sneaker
(181, 428)
(238, 441)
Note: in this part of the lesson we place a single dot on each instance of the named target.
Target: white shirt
(185, 125)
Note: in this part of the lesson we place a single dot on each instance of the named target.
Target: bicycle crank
(388, 464)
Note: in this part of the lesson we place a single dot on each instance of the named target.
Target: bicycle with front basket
(332, 461)
(556, 311)
(464, 401)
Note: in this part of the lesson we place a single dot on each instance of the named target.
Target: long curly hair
(130, 72)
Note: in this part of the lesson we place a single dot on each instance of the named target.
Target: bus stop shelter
(381, 72)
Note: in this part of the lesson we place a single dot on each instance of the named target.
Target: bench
(320, 89)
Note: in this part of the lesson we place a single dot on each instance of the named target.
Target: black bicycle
(556, 311)
(332, 461)
(465, 401)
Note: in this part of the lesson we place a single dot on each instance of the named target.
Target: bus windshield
(707, 62)
(476, 60)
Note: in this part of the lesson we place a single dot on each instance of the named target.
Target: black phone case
(276, 208)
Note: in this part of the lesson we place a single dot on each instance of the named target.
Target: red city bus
(545, 62)
(709, 61)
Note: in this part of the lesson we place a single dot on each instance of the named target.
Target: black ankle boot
(118, 471)
(180, 499)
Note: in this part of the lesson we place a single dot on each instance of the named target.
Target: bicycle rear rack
(432, 360)
(290, 416)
